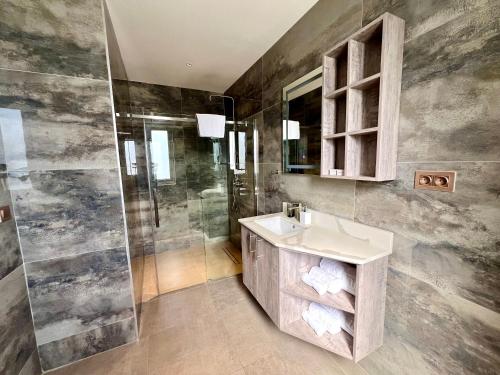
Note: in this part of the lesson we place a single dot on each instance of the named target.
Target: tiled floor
(214, 328)
(178, 269)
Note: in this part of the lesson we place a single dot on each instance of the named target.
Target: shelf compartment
(333, 154)
(341, 343)
(339, 153)
(364, 106)
(340, 108)
(342, 300)
(366, 52)
(334, 114)
(364, 147)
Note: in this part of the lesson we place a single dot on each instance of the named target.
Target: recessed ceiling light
(189, 65)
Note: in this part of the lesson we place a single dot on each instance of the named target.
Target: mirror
(302, 124)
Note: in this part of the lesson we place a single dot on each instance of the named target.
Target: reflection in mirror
(302, 124)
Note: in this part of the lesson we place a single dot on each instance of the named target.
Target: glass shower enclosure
(189, 201)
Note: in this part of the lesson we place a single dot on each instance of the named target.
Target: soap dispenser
(305, 216)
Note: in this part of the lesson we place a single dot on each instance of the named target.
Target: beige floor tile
(178, 269)
(126, 360)
(223, 260)
(150, 282)
(214, 328)
(216, 359)
(275, 365)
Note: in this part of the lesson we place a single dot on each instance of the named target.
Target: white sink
(279, 225)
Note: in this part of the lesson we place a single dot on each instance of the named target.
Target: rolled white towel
(319, 286)
(331, 321)
(345, 272)
(317, 325)
(345, 319)
(333, 284)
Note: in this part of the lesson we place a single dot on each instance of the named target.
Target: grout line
(52, 74)
(40, 170)
(75, 255)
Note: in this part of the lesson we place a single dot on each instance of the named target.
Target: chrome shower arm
(227, 97)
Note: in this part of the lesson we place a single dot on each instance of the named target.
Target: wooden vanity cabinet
(247, 254)
(260, 271)
(273, 276)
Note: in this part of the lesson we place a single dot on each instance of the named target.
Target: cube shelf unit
(360, 109)
(367, 306)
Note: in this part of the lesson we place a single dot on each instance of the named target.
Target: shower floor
(178, 269)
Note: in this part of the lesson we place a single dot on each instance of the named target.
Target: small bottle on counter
(305, 216)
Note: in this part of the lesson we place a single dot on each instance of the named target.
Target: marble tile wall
(61, 168)
(442, 309)
(17, 336)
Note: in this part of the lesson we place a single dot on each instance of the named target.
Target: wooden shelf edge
(336, 93)
(357, 35)
(364, 131)
(365, 82)
(341, 343)
(359, 178)
(342, 300)
(335, 135)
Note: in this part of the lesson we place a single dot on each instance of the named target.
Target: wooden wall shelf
(360, 110)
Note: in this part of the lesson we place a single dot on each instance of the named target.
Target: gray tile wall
(17, 336)
(442, 309)
(64, 179)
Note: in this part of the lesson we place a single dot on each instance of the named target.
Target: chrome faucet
(293, 209)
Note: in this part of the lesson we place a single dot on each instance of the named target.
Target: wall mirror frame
(302, 124)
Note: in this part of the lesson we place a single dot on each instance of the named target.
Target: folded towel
(345, 272)
(331, 321)
(318, 327)
(318, 285)
(211, 126)
(321, 276)
(344, 319)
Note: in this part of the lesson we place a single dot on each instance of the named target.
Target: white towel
(318, 285)
(342, 318)
(320, 275)
(318, 327)
(331, 322)
(211, 126)
(345, 272)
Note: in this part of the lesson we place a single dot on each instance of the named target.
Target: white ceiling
(220, 38)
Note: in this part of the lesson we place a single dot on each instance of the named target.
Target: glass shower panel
(187, 176)
(178, 245)
(243, 177)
